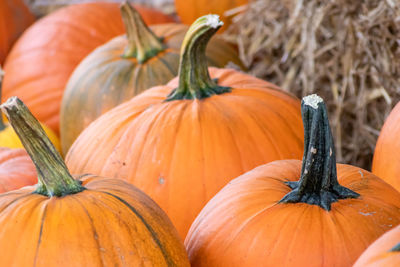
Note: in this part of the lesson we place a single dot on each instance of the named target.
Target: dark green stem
(318, 184)
(396, 248)
(53, 175)
(194, 79)
(143, 44)
(2, 125)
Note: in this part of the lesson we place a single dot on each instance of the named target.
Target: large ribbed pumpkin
(384, 252)
(182, 142)
(386, 162)
(292, 213)
(16, 169)
(126, 66)
(39, 65)
(95, 221)
(15, 17)
(189, 10)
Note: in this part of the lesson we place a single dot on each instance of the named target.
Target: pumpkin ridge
(149, 228)
(13, 201)
(95, 234)
(40, 232)
(162, 60)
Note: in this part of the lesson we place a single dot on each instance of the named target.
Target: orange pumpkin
(40, 63)
(182, 142)
(386, 162)
(16, 169)
(293, 213)
(384, 252)
(96, 221)
(15, 17)
(189, 10)
(126, 66)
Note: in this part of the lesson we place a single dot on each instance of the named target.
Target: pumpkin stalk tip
(194, 79)
(54, 178)
(318, 184)
(143, 44)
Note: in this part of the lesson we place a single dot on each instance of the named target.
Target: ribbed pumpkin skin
(182, 152)
(386, 162)
(16, 169)
(41, 62)
(111, 223)
(244, 225)
(379, 254)
(189, 10)
(15, 17)
(8, 138)
(104, 79)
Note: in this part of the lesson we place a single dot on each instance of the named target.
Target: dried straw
(347, 51)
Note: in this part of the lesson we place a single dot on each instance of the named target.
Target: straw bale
(347, 51)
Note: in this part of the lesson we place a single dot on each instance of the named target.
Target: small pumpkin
(386, 161)
(16, 169)
(384, 252)
(40, 63)
(288, 212)
(189, 10)
(8, 138)
(94, 221)
(15, 17)
(182, 142)
(125, 67)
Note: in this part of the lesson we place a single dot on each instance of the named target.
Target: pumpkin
(182, 142)
(16, 169)
(189, 10)
(386, 161)
(384, 252)
(93, 221)
(124, 67)
(8, 138)
(15, 17)
(293, 213)
(40, 63)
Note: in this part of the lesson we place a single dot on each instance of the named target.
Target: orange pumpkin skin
(15, 17)
(40, 63)
(182, 152)
(104, 79)
(384, 252)
(111, 223)
(243, 225)
(386, 161)
(189, 10)
(16, 169)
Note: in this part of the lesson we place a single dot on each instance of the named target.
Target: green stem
(2, 125)
(53, 175)
(194, 79)
(318, 184)
(143, 44)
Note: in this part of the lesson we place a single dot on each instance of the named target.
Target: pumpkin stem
(2, 125)
(318, 184)
(396, 248)
(143, 44)
(194, 79)
(53, 175)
